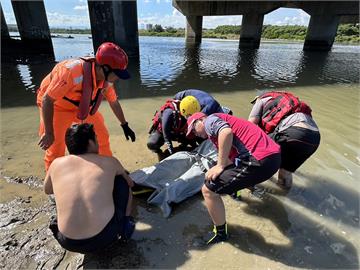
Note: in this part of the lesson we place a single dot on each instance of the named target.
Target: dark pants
(112, 232)
(297, 145)
(156, 140)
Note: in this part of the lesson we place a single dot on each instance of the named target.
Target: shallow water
(314, 225)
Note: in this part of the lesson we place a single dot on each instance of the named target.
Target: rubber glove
(128, 132)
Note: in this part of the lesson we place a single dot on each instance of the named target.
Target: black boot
(220, 234)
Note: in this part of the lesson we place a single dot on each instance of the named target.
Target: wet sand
(314, 225)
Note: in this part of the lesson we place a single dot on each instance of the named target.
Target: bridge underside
(34, 30)
(114, 21)
(325, 18)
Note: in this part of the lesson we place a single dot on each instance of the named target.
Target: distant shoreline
(346, 33)
(267, 40)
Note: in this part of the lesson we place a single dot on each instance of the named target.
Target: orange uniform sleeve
(61, 82)
(110, 93)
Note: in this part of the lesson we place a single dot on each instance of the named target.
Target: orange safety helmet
(111, 55)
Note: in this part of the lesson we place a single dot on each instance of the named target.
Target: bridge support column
(4, 29)
(193, 32)
(251, 28)
(115, 21)
(33, 26)
(321, 32)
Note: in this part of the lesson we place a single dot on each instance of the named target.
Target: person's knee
(153, 146)
(207, 192)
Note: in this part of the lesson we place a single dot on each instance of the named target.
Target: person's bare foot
(285, 179)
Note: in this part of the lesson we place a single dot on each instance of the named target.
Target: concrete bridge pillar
(4, 29)
(321, 32)
(193, 31)
(33, 26)
(115, 21)
(251, 28)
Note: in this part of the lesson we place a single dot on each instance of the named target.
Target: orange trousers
(64, 119)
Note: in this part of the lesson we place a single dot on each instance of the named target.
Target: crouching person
(92, 196)
(289, 122)
(246, 157)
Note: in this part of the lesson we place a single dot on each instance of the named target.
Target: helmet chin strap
(107, 70)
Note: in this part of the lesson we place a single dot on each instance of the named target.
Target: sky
(74, 13)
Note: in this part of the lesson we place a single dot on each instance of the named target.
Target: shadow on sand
(310, 244)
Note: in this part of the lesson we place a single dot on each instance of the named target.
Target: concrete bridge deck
(325, 18)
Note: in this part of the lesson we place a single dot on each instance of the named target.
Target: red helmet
(113, 56)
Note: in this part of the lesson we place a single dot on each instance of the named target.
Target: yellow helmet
(189, 105)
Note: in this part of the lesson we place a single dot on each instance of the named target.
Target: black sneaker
(217, 238)
(236, 195)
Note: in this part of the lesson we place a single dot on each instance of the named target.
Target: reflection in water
(19, 82)
(246, 60)
(311, 68)
(276, 65)
(167, 65)
(26, 78)
(217, 62)
(156, 69)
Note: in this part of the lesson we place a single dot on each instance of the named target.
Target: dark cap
(121, 73)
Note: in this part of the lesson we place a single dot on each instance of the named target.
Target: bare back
(83, 187)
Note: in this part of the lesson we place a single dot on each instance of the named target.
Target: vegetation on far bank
(348, 33)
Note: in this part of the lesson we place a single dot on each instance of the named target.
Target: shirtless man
(92, 195)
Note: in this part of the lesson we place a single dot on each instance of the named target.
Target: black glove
(170, 148)
(128, 132)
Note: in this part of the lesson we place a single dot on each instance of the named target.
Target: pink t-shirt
(248, 139)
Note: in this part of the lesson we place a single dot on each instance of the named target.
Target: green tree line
(348, 33)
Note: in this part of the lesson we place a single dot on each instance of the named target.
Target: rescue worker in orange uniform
(72, 92)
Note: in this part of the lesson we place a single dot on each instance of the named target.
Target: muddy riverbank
(314, 225)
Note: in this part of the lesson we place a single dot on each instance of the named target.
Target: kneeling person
(246, 157)
(92, 195)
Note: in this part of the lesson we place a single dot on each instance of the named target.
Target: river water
(314, 225)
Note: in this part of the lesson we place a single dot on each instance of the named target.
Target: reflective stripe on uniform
(73, 63)
(78, 79)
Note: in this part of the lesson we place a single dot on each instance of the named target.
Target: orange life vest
(86, 105)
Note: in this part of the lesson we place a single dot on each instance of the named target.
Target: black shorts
(297, 145)
(247, 173)
(112, 232)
